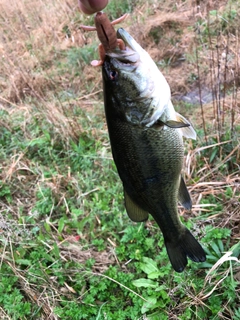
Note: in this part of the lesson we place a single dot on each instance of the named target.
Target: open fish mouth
(130, 54)
(127, 39)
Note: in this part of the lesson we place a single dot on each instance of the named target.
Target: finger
(92, 6)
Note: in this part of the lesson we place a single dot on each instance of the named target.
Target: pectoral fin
(134, 212)
(187, 131)
(175, 124)
(184, 196)
(180, 123)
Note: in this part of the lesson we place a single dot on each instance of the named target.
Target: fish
(146, 136)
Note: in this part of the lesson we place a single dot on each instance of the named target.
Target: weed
(79, 57)
(116, 9)
(5, 192)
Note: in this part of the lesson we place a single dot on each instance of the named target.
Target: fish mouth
(127, 39)
(129, 55)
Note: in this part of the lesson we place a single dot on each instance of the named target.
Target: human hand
(92, 6)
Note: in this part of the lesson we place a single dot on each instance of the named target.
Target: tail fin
(186, 246)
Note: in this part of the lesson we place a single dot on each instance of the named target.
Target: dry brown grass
(34, 39)
(34, 36)
(31, 37)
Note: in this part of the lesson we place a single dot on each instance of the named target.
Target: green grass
(68, 242)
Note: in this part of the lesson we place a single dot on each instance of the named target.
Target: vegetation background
(68, 249)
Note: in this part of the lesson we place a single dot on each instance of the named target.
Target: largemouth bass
(147, 145)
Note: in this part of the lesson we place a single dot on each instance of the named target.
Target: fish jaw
(136, 67)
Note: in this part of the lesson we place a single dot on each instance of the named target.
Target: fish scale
(144, 156)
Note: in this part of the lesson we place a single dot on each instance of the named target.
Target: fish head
(135, 84)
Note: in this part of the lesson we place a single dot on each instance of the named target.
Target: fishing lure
(106, 34)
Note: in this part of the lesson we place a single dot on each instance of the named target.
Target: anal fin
(134, 212)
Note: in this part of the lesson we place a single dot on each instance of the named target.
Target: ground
(69, 251)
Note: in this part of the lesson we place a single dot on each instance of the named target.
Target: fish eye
(113, 75)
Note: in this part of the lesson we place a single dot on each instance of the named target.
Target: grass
(68, 249)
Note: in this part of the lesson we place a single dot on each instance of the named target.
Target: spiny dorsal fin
(134, 212)
(184, 196)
